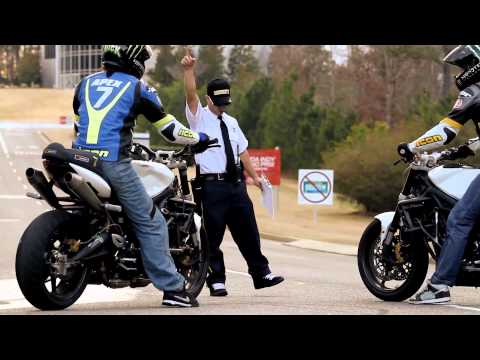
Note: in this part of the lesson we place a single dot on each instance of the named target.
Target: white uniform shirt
(214, 159)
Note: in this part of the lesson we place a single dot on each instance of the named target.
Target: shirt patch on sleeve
(465, 94)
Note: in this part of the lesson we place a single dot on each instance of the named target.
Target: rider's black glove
(202, 144)
(462, 152)
(405, 152)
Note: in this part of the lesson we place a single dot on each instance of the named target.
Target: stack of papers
(267, 195)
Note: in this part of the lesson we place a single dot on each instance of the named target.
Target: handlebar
(432, 159)
(138, 149)
(145, 153)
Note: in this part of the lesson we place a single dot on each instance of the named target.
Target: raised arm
(188, 63)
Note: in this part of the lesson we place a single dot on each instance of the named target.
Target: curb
(317, 245)
(322, 246)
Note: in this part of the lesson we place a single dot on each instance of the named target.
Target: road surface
(316, 282)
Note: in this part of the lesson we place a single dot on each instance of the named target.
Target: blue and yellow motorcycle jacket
(106, 106)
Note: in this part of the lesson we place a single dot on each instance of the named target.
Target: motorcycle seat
(85, 159)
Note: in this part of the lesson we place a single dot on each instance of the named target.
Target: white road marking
(461, 307)
(33, 124)
(4, 146)
(238, 273)
(43, 137)
(13, 197)
(27, 153)
(13, 133)
(12, 298)
(8, 220)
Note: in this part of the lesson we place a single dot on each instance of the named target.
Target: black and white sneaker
(179, 299)
(432, 294)
(267, 281)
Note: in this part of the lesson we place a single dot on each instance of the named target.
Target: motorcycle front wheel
(394, 280)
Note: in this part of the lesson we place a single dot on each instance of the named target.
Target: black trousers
(228, 204)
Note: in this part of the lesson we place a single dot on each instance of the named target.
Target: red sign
(267, 162)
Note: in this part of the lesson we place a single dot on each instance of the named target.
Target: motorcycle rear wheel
(34, 275)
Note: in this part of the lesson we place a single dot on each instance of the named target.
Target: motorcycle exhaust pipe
(94, 245)
(81, 188)
(37, 179)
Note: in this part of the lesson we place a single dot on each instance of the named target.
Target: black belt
(213, 177)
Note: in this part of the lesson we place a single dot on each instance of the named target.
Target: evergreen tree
(165, 67)
(250, 108)
(278, 121)
(241, 63)
(210, 64)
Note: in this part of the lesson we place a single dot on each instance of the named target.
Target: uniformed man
(225, 199)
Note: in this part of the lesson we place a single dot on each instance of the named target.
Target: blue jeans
(460, 224)
(151, 233)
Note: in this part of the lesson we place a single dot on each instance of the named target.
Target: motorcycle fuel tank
(453, 181)
(155, 177)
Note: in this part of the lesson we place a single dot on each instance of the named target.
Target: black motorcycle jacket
(467, 107)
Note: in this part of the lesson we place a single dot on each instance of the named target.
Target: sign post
(315, 187)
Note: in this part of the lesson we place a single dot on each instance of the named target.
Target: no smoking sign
(315, 187)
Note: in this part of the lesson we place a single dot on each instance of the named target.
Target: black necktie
(231, 168)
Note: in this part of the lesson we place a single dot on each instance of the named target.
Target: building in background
(63, 66)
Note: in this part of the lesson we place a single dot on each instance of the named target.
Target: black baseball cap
(219, 91)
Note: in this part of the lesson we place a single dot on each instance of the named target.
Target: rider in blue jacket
(106, 105)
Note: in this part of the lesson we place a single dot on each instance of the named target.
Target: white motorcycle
(88, 239)
(393, 253)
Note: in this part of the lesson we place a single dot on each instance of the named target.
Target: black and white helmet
(128, 58)
(467, 57)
